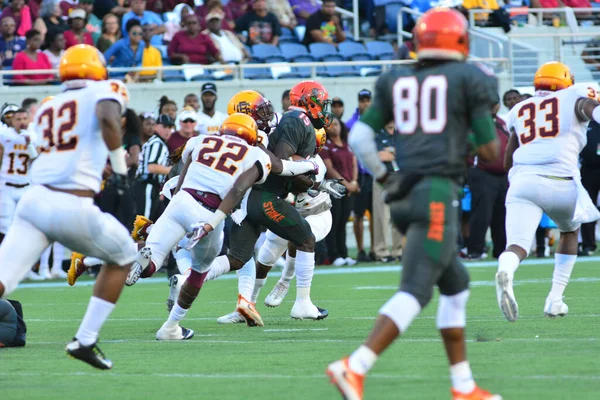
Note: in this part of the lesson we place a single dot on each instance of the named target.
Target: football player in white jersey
(549, 131)
(81, 128)
(16, 153)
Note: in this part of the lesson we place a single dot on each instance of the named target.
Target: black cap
(165, 120)
(337, 100)
(364, 94)
(209, 88)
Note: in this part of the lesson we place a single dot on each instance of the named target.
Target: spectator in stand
(110, 32)
(168, 107)
(337, 107)
(284, 13)
(564, 3)
(34, 8)
(192, 46)
(232, 50)
(176, 24)
(148, 123)
(56, 48)
(10, 44)
(138, 11)
(50, 20)
(164, 6)
(208, 7)
(127, 52)
(103, 7)
(209, 119)
(191, 100)
(32, 58)
(341, 164)
(151, 56)
(188, 120)
(488, 183)
(382, 222)
(260, 25)
(304, 9)
(235, 9)
(94, 24)
(21, 15)
(77, 34)
(591, 53)
(590, 178)
(324, 26)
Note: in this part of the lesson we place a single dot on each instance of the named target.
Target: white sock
(177, 314)
(219, 267)
(289, 269)
(462, 377)
(92, 261)
(246, 279)
(44, 268)
(508, 262)
(305, 267)
(563, 266)
(258, 285)
(96, 314)
(58, 254)
(362, 360)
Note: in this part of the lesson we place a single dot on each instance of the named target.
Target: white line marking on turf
(324, 271)
(295, 330)
(485, 283)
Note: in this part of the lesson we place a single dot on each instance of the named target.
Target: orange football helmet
(321, 137)
(47, 99)
(82, 61)
(240, 125)
(254, 104)
(441, 34)
(314, 100)
(553, 76)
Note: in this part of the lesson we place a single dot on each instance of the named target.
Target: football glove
(333, 187)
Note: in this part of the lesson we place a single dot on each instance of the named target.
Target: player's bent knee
(309, 244)
(402, 308)
(235, 263)
(269, 254)
(452, 310)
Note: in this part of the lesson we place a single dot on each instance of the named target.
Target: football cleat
(248, 310)
(175, 284)
(88, 354)
(476, 394)
(555, 308)
(506, 296)
(176, 333)
(138, 266)
(307, 310)
(275, 298)
(231, 318)
(349, 383)
(140, 232)
(76, 269)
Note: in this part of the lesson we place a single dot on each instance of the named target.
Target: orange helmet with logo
(314, 100)
(442, 34)
(82, 61)
(240, 125)
(553, 76)
(321, 137)
(254, 104)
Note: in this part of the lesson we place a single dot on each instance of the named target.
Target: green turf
(534, 358)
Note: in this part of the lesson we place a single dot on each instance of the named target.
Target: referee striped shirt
(154, 151)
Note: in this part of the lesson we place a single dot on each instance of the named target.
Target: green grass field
(534, 358)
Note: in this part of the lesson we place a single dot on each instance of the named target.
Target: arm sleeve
(362, 141)
(382, 110)
(188, 149)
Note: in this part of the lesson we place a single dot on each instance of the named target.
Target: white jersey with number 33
(73, 150)
(217, 162)
(549, 132)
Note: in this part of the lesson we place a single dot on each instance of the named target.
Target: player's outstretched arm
(290, 168)
(108, 113)
(587, 109)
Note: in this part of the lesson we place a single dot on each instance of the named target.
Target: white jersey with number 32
(217, 162)
(73, 150)
(549, 132)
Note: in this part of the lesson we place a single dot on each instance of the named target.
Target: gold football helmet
(240, 125)
(254, 104)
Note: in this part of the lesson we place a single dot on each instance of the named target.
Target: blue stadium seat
(380, 50)
(353, 51)
(325, 52)
(257, 73)
(342, 70)
(288, 36)
(294, 51)
(173, 76)
(266, 53)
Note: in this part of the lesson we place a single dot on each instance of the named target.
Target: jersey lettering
(205, 157)
(56, 137)
(547, 112)
(23, 159)
(423, 107)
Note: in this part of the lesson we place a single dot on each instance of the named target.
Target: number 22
(205, 158)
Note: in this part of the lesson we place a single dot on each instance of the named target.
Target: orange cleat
(76, 268)
(349, 383)
(476, 394)
(140, 228)
(248, 310)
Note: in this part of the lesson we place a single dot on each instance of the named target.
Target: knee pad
(452, 310)
(402, 308)
(271, 250)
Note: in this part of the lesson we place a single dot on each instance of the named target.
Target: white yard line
(516, 282)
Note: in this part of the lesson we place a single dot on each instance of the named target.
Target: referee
(153, 169)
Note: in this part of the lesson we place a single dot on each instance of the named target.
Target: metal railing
(570, 15)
